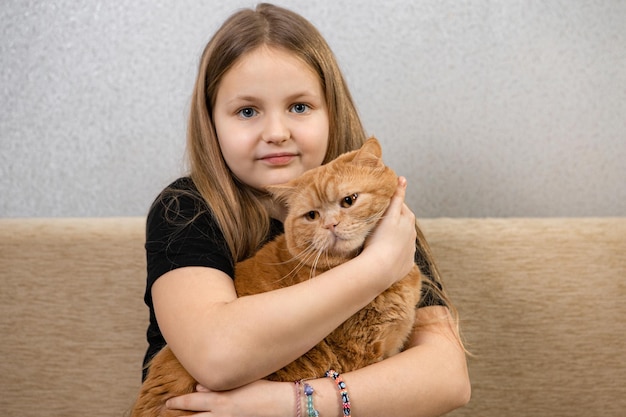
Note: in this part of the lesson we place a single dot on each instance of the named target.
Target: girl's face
(271, 118)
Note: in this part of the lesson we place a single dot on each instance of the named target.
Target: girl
(270, 103)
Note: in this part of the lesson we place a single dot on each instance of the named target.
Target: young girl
(270, 103)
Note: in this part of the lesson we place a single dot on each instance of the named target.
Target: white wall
(490, 108)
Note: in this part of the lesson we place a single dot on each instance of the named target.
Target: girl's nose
(275, 129)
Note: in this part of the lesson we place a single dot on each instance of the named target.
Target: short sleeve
(180, 232)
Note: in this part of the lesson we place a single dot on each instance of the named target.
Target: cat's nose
(330, 226)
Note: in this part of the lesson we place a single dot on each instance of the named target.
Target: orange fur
(331, 211)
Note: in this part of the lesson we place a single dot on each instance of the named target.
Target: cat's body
(331, 210)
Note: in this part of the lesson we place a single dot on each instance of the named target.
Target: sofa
(542, 304)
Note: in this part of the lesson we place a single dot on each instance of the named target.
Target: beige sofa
(543, 303)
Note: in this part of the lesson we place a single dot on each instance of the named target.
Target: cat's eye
(312, 215)
(349, 200)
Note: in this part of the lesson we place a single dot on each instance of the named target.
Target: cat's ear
(370, 154)
(282, 192)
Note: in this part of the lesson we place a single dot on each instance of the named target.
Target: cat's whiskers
(300, 260)
(312, 273)
(373, 219)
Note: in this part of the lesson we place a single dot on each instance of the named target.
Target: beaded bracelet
(343, 390)
(308, 391)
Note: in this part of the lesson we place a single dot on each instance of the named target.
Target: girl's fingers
(397, 200)
(189, 402)
(401, 189)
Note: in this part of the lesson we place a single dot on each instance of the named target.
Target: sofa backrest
(72, 318)
(542, 302)
(543, 309)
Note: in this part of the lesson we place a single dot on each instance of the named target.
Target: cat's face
(332, 209)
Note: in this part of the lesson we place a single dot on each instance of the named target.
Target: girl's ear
(370, 154)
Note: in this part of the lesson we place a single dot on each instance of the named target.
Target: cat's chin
(335, 253)
(335, 246)
(342, 250)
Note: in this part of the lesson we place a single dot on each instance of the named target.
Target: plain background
(489, 108)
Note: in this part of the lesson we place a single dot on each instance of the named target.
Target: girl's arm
(225, 342)
(428, 379)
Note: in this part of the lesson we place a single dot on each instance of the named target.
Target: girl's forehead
(269, 70)
(270, 55)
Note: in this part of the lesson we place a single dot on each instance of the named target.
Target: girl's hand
(392, 245)
(258, 399)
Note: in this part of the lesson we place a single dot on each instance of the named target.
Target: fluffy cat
(331, 211)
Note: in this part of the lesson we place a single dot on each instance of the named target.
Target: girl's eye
(349, 200)
(247, 112)
(312, 215)
(299, 108)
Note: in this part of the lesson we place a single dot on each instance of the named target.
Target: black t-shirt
(181, 231)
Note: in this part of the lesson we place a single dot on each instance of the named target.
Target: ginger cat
(331, 211)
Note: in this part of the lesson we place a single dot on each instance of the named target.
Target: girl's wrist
(316, 395)
(374, 271)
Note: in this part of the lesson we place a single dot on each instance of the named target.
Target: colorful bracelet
(308, 391)
(343, 390)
